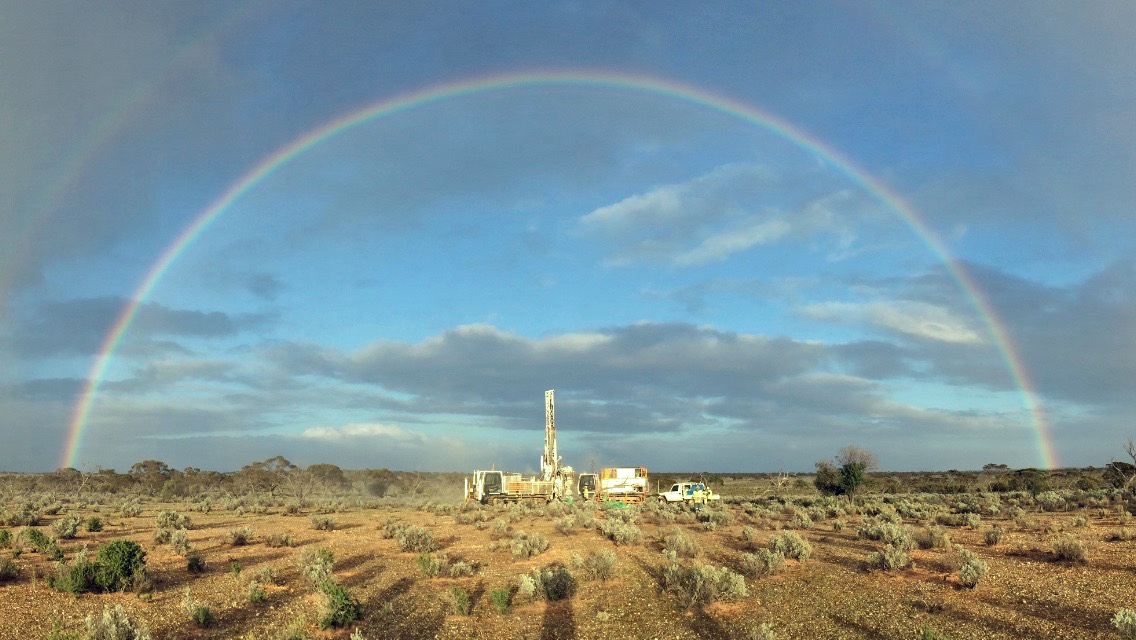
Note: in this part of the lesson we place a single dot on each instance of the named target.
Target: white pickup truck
(684, 491)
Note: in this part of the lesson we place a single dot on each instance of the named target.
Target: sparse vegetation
(972, 569)
(114, 624)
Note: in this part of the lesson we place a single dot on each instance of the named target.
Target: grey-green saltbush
(761, 562)
(1125, 623)
(702, 584)
(597, 565)
(416, 539)
(791, 545)
(114, 624)
(526, 545)
(621, 533)
(889, 558)
(681, 543)
(972, 569)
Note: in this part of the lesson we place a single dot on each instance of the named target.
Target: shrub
(278, 540)
(1080, 521)
(932, 538)
(93, 524)
(119, 564)
(238, 537)
(235, 569)
(441, 565)
(266, 575)
(526, 545)
(37, 539)
(791, 545)
(889, 558)
(682, 543)
(322, 523)
(416, 539)
(762, 562)
(994, 535)
(563, 525)
(1070, 549)
(702, 584)
(5, 538)
(1125, 623)
(749, 534)
(162, 535)
(195, 562)
(256, 593)
(8, 570)
(66, 528)
(621, 533)
(337, 607)
(77, 577)
(179, 540)
(114, 624)
(316, 565)
(500, 598)
(173, 520)
(200, 613)
(598, 565)
(462, 604)
(972, 570)
(554, 582)
(930, 633)
(526, 587)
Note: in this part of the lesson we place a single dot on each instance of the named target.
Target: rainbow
(593, 79)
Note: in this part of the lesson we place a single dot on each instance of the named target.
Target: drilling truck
(554, 482)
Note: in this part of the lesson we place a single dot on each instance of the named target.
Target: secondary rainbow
(485, 84)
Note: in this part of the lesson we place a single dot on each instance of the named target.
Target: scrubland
(921, 556)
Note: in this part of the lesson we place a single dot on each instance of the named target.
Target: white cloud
(720, 246)
(364, 430)
(919, 319)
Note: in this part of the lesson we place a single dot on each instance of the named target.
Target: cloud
(729, 210)
(913, 318)
(81, 325)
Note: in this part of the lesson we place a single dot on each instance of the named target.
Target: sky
(732, 237)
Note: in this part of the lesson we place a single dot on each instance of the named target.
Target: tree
(151, 474)
(848, 476)
(1121, 474)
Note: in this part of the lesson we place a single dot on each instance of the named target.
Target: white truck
(686, 491)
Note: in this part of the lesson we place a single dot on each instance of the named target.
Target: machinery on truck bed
(615, 484)
(554, 483)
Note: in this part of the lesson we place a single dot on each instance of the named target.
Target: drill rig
(554, 483)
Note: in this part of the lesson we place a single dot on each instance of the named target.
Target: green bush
(930, 633)
(119, 563)
(93, 524)
(114, 624)
(256, 593)
(172, 520)
(200, 613)
(338, 607)
(5, 538)
(195, 562)
(38, 540)
(8, 570)
(500, 598)
(994, 535)
(462, 604)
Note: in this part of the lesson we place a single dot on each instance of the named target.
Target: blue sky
(703, 292)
